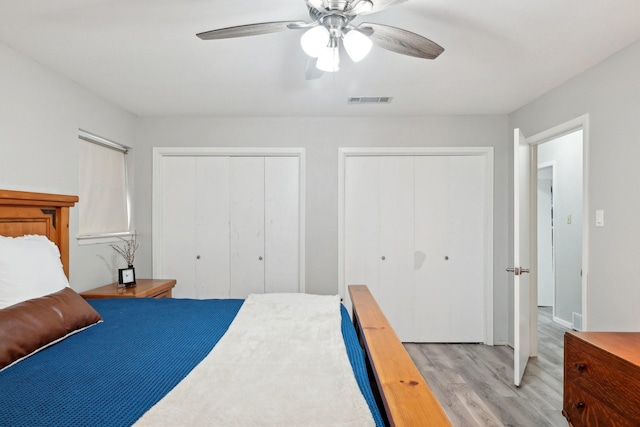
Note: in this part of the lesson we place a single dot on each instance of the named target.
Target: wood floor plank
(474, 382)
(476, 406)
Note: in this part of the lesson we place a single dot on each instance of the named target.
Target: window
(104, 199)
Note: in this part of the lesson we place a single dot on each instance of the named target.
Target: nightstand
(145, 288)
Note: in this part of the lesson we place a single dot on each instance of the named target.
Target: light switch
(569, 219)
(599, 218)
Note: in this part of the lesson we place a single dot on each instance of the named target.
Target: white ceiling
(143, 55)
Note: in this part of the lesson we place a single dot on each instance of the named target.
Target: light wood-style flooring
(474, 382)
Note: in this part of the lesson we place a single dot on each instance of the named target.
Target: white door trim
(160, 152)
(562, 129)
(486, 152)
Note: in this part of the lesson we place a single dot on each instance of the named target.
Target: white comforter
(282, 362)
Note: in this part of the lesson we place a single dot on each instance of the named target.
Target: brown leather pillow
(31, 325)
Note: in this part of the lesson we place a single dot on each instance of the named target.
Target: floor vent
(576, 321)
(370, 100)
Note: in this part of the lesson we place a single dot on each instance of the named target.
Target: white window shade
(103, 205)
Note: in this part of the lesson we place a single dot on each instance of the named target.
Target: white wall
(610, 94)
(40, 113)
(566, 152)
(321, 137)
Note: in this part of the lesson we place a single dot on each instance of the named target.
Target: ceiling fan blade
(402, 41)
(248, 30)
(311, 72)
(379, 5)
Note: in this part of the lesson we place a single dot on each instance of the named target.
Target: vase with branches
(128, 250)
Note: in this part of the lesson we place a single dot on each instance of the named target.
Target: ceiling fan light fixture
(314, 41)
(329, 60)
(357, 45)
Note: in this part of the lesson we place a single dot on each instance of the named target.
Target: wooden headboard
(23, 213)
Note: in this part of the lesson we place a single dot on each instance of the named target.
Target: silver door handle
(517, 270)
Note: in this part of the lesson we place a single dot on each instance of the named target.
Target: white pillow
(30, 267)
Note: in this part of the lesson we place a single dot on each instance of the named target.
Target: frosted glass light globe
(329, 60)
(357, 45)
(314, 41)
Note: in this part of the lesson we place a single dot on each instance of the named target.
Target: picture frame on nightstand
(127, 277)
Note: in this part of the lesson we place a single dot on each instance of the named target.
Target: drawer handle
(581, 367)
(579, 405)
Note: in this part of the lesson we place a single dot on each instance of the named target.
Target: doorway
(546, 239)
(570, 216)
(560, 190)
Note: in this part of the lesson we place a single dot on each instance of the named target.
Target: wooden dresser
(602, 378)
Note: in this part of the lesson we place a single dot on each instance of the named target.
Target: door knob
(384, 257)
(517, 270)
(260, 258)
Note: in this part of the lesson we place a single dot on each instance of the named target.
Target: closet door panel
(432, 284)
(396, 257)
(178, 224)
(246, 217)
(466, 241)
(449, 231)
(362, 224)
(282, 224)
(379, 234)
(212, 227)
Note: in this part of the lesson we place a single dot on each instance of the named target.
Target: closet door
(449, 239)
(229, 224)
(396, 244)
(362, 249)
(379, 234)
(246, 220)
(264, 218)
(414, 233)
(178, 224)
(212, 227)
(282, 224)
(195, 224)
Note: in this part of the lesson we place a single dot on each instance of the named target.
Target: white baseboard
(562, 322)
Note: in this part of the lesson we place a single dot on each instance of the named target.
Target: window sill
(103, 238)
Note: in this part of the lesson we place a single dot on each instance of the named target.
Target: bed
(100, 375)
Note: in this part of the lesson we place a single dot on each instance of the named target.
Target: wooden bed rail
(405, 396)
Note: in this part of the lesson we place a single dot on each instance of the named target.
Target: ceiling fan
(331, 26)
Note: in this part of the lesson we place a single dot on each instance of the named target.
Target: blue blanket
(113, 372)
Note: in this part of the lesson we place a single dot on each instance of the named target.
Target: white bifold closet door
(379, 233)
(195, 218)
(230, 225)
(264, 225)
(449, 242)
(414, 235)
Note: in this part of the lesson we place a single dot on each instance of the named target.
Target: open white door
(521, 255)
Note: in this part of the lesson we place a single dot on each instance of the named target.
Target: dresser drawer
(582, 409)
(163, 294)
(600, 374)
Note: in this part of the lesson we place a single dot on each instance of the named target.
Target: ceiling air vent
(370, 100)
